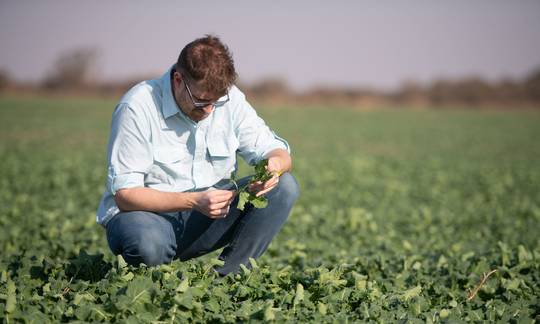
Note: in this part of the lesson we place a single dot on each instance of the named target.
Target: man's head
(207, 63)
(204, 73)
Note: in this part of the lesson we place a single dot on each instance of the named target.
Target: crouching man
(174, 138)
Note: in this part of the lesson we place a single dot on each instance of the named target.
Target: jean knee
(288, 187)
(153, 249)
(143, 239)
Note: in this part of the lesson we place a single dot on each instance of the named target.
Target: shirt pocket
(167, 155)
(222, 152)
(171, 165)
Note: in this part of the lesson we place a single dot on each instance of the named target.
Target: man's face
(186, 94)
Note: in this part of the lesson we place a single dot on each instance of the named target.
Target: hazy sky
(351, 43)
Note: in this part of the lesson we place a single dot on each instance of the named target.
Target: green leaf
(242, 200)
(137, 294)
(253, 263)
(80, 297)
(299, 295)
(411, 293)
(217, 262)
(259, 202)
(11, 300)
(444, 313)
(322, 308)
(121, 263)
(183, 286)
(245, 270)
(269, 314)
(245, 196)
(523, 254)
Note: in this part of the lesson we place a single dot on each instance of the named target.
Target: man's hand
(214, 203)
(274, 166)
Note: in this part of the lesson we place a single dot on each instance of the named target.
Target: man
(172, 141)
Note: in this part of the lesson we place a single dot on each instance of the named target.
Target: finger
(262, 192)
(225, 212)
(220, 210)
(271, 183)
(218, 213)
(222, 194)
(220, 205)
(256, 183)
(256, 187)
(220, 198)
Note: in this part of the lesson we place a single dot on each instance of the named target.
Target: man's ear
(177, 76)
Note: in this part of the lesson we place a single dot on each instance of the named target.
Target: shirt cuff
(279, 143)
(123, 181)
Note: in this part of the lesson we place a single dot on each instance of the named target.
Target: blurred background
(345, 53)
(413, 127)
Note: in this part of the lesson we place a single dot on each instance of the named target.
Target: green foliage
(246, 196)
(400, 215)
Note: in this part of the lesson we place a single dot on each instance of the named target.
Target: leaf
(253, 263)
(121, 263)
(299, 295)
(322, 308)
(242, 200)
(183, 286)
(244, 269)
(91, 313)
(262, 175)
(217, 262)
(259, 202)
(11, 300)
(79, 297)
(269, 314)
(411, 293)
(138, 293)
(444, 313)
(523, 254)
(128, 276)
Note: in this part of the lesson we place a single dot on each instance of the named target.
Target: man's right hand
(214, 203)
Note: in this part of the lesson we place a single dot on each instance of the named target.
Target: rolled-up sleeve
(129, 151)
(255, 137)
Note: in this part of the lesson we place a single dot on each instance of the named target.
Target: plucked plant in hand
(245, 196)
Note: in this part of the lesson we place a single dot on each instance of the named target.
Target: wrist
(191, 199)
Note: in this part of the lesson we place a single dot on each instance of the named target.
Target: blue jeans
(152, 239)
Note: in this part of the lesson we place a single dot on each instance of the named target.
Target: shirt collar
(169, 106)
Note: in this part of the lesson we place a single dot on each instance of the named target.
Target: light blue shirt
(154, 144)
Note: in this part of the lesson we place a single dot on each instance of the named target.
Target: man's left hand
(274, 166)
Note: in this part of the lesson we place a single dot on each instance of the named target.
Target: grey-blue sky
(350, 43)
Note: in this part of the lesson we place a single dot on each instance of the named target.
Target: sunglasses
(200, 104)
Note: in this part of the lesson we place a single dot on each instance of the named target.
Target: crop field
(401, 215)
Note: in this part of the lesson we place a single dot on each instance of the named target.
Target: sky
(377, 44)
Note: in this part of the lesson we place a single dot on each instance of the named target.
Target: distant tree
(441, 92)
(473, 91)
(72, 69)
(411, 93)
(270, 87)
(532, 85)
(5, 79)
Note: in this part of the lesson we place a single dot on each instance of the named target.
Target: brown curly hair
(208, 62)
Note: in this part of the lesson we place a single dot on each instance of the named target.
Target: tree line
(72, 74)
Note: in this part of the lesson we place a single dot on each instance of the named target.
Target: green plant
(246, 196)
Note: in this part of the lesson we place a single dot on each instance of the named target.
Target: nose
(208, 108)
